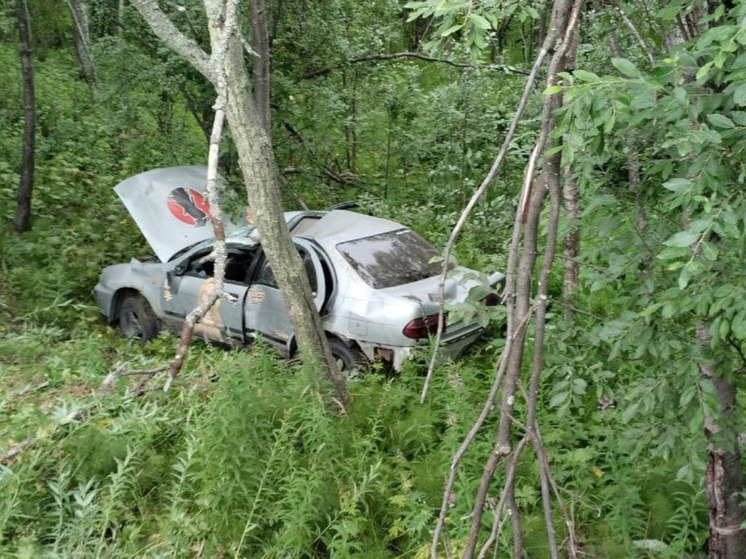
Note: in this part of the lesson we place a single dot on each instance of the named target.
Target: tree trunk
(120, 17)
(22, 220)
(571, 243)
(261, 63)
(262, 184)
(82, 43)
(571, 203)
(723, 477)
(260, 176)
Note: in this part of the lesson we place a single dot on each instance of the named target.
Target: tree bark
(571, 243)
(82, 43)
(723, 477)
(261, 63)
(571, 203)
(22, 221)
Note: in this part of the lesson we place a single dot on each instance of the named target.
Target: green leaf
(697, 422)
(669, 12)
(702, 72)
(710, 251)
(681, 239)
(644, 100)
(585, 76)
(629, 412)
(479, 21)
(684, 277)
(451, 30)
(721, 121)
(739, 95)
(626, 67)
(677, 185)
(687, 396)
(558, 399)
(552, 89)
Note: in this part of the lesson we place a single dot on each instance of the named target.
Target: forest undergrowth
(240, 458)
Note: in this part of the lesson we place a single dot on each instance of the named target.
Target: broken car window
(392, 258)
(267, 277)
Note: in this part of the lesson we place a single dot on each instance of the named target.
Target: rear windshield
(392, 258)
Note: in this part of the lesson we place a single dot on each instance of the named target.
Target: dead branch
(509, 478)
(564, 22)
(486, 409)
(546, 477)
(574, 309)
(415, 55)
(214, 69)
(491, 176)
(551, 174)
(633, 28)
(339, 178)
(119, 372)
(15, 450)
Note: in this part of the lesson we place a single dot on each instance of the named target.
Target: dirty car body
(375, 282)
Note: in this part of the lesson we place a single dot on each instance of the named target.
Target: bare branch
(491, 176)
(633, 28)
(15, 450)
(167, 32)
(509, 478)
(486, 409)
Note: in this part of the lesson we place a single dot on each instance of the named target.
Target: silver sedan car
(375, 282)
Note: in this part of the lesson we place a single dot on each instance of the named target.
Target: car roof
(331, 227)
(338, 226)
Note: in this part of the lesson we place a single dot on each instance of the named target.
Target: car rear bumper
(451, 346)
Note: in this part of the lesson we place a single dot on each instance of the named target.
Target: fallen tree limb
(16, 449)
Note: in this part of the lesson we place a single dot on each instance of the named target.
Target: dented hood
(170, 208)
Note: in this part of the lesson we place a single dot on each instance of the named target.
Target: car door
(193, 283)
(266, 314)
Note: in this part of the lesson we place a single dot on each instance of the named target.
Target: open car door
(266, 315)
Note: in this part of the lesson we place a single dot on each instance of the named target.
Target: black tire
(137, 319)
(350, 360)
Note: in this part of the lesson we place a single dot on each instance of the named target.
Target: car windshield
(392, 258)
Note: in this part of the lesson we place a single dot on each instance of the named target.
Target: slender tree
(257, 163)
(22, 220)
(82, 41)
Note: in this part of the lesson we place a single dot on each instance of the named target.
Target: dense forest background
(402, 107)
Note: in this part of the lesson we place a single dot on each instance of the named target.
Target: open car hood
(170, 207)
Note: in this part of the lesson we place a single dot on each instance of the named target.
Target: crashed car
(375, 282)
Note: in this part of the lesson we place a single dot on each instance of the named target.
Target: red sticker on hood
(189, 206)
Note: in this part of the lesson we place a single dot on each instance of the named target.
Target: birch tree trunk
(262, 183)
(82, 43)
(22, 221)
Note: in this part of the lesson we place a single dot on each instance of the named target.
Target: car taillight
(492, 300)
(423, 327)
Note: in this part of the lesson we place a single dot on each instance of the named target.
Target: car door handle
(231, 298)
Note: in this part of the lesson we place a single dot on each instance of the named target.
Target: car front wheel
(350, 360)
(137, 319)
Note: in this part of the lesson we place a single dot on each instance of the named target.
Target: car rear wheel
(350, 360)
(137, 319)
